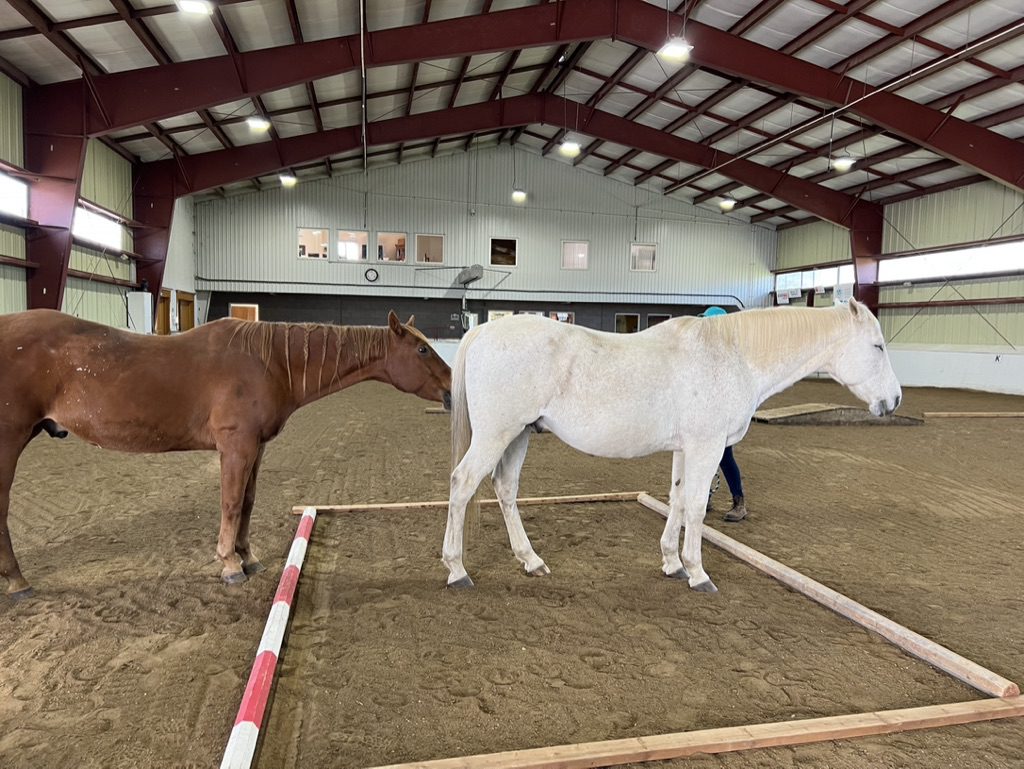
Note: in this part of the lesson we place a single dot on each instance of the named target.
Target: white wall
(975, 369)
(180, 270)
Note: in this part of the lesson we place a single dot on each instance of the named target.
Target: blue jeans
(731, 471)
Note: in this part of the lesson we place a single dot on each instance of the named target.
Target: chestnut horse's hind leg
(237, 457)
(10, 449)
(250, 563)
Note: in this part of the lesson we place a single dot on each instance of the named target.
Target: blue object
(711, 312)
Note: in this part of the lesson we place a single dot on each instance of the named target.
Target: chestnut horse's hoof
(678, 574)
(253, 567)
(707, 586)
(461, 584)
(234, 578)
(21, 595)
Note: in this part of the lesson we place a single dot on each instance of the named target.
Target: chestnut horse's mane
(363, 344)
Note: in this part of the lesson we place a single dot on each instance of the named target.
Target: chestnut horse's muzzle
(446, 400)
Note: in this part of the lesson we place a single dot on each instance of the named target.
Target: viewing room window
(977, 260)
(503, 252)
(313, 244)
(563, 317)
(13, 196)
(430, 249)
(391, 246)
(574, 254)
(653, 319)
(642, 256)
(352, 245)
(627, 322)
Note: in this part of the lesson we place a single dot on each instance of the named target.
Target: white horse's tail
(462, 428)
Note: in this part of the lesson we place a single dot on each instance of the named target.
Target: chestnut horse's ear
(394, 323)
(411, 321)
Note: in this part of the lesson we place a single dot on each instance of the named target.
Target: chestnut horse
(228, 386)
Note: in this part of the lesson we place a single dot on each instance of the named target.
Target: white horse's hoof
(540, 571)
(679, 573)
(707, 586)
(459, 584)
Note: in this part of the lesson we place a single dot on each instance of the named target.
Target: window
(791, 283)
(97, 228)
(390, 246)
(244, 311)
(352, 245)
(641, 257)
(653, 319)
(313, 244)
(574, 254)
(13, 196)
(979, 260)
(503, 252)
(498, 314)
(563, 317)
(430, 249)
(627, 322)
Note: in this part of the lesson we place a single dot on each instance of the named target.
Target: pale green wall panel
(815, 243)
(12, 242)
(98, 302)
(87, 260)
(12, 149)
(13, 294)
(966, 214)
(107, 179)
(975, 325)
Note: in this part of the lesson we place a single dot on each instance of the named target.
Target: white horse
(689, 385)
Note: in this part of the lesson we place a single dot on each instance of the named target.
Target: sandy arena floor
(132, 654)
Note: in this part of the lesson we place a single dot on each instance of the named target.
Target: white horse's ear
(411, 321)
(394, 323)
(855, 307)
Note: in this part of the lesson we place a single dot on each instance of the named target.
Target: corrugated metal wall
(98, 302)
(975, 212)
(249, 243)
(13, 293)
(815, 243)
(976, 325)
(180, 271)
(107, 179)
(11, 147)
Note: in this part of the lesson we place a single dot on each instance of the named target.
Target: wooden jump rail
(923, 648)
(618, 496)
(663, 746)
(973, 414)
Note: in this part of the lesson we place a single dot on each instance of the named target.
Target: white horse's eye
(879, 347)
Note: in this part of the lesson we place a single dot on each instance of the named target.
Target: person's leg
(731, 471)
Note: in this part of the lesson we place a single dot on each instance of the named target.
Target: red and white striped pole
(242, 744)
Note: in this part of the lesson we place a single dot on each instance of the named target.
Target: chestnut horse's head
(413, 366)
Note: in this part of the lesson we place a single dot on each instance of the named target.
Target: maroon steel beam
(153, 201)
(154, 93)
(56, 160)
(213, 169)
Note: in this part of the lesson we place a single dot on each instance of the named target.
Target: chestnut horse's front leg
(250, 563)
(10, 449)
(238, 455)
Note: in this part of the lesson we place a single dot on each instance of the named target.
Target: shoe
(738, 512)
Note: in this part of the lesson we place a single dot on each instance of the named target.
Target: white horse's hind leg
(688, 501)
(480, 459)
(506, 486)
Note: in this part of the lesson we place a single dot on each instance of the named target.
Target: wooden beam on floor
(666, 746)
(617, 496)
(969, 672)
(973, 414)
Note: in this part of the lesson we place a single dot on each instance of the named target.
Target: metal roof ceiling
(772, 90)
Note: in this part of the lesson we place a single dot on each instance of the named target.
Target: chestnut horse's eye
(422, 349)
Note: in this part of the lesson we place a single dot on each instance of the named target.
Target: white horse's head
(862, 363)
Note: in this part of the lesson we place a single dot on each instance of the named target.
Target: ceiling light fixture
(569, 149)
(203, 7)
(727, 204)
(842, 164)
(287, 180)
(257, 123)
(676, 48)
(518, 195)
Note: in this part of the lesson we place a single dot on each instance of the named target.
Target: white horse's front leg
(688, 505)
(506, 487)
